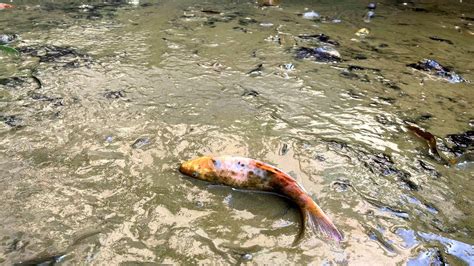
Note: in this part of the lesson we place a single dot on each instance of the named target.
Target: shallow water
(108, 98)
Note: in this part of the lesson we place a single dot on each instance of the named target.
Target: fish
(4, 6)
(250, 174)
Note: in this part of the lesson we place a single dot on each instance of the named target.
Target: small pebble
(266, 24)
(372, 5)
(247, 257)
(288, 67)
(109, 139)
(362, 32)
(311, 15)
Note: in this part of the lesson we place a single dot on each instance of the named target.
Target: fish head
(200, 168)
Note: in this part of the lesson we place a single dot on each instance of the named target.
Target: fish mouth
(185, 168)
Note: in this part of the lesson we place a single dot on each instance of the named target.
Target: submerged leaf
(8, 50)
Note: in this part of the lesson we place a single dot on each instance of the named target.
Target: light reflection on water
(175, 79)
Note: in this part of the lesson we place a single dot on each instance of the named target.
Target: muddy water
(107, 99)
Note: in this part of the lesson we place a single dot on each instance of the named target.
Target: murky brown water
(107, 99)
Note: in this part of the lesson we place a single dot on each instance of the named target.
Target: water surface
(107, 98)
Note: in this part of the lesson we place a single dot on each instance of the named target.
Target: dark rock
(360, 57)
(319, 37)
(320, 54)
(424, 117)
(43, 260)
(434, 68)
(341, 185)
(434, 38)
(212, 12)
(250, 92)
(429, 169)
(240, 29)
(383, 165)
(12, 121)
(65, 55)
(256, 71)
(461, 142)
(284, 149)
(114, 94)
(247, 21)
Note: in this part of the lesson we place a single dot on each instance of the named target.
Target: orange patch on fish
(251, 174)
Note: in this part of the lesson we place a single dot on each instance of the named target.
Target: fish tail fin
(319, 222)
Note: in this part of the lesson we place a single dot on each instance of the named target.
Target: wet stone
(321, 54)
(12, 82)
(320, 158)
(247, 21)
(16, 244)
(388, 83)
(8, 38)
(247, 257)
(432, 256)
(383, 165)
(360, 57)
(41, 97)
(66, 55)
(388, 100)
(461, 142)
(250, 92)
(319, 37)
(429, 169)
(435, 38)
(376, 235)
(284, 149)
(257, 71)
(372, 5)
(12, 121)
(433, 68)
(244, 30)
(424, 117)
(141, 142)
(382, 119)
(341, 185)
(43, 260)
(114, 94)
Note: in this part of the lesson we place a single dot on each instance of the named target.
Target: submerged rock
(7, 38)
(372, 5)
(321, 54)
(12, 121)
(66, 55)
(461, 142)
(141, 142)
(114, 94)
(319, 37)
(435, 69)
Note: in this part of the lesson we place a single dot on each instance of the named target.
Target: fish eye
(195, 174)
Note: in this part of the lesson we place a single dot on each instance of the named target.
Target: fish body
(246, 173)
(4, 6)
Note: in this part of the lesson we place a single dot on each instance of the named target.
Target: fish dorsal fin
(278, 172)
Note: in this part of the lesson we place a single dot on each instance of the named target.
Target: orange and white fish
(4, 6)
(246, 173)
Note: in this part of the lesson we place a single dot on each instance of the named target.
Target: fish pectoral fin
(320, 223)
